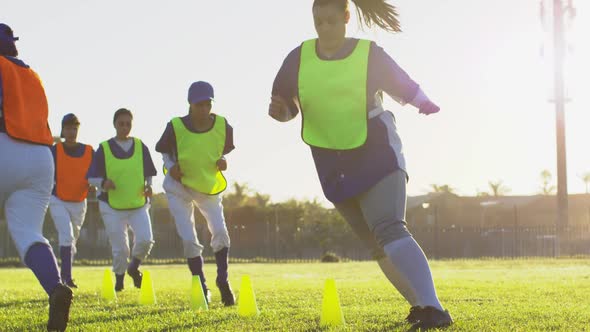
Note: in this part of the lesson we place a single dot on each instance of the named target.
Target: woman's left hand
(428, 107)
(147, 192)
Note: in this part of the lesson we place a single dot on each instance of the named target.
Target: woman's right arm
(284, 105)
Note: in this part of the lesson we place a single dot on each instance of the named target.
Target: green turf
(482, 295)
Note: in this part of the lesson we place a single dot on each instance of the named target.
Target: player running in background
(337, 83)
(27, 173)
(68, 201)
(193, 148)
(122, 169)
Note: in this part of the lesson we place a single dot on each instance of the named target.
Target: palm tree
(586, 178)
(480, 193)
(238, 196)
(498, 188)
(444, 188)
(547, 188)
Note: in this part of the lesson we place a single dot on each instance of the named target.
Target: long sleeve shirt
(167, 144)
(345, 174)
(97, 172)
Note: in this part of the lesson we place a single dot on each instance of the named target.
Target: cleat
(432, 318)
(70, 283)
(414, 315)
(227, 295)
(137, 277)
(59, 308)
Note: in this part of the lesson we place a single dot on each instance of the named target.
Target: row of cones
(331, 311)
(146, 293)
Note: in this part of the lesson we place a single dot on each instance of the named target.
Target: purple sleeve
(229, 139)
(97, 168)
(386, 75)
(167, 143)
(93, 153)
(286, 81)
(148, 164)
(53, 149)
(1, 93)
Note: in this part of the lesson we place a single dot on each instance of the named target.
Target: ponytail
(370, 12)
(379, 13)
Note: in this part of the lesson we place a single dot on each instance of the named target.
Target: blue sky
(479, 60)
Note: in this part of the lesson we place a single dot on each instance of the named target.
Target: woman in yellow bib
(337, 84)
(122, 169)
(193, 148)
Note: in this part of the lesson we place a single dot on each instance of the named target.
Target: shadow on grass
(118, 317)
(390, 326)
(24, 302)
(191, 326)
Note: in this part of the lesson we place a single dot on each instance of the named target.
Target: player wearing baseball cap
(27, 173)
(193, 148)
(67, 205)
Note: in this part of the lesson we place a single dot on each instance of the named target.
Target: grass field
(482, 295)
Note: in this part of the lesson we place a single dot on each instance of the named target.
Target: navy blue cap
(6, 33)
(200, 91)
(70, 118)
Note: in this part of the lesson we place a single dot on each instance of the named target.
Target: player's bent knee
(118, 253)
(388, 232)
(220, 244)
(142, 249)
(192, 249)
(220, 239)
(378, 254)
(66, 241)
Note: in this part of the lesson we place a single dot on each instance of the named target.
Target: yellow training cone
(246, 300)
(198, 301)
(108, 290)
(331, 311)
(146, 293)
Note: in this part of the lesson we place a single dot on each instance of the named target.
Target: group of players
(120, 170)
(337, 85)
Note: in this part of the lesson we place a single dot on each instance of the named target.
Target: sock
(221, 259)
(40, 259)
(409, 260)
(195, 264)
(65, 253)
(134, 265)
(398, 281)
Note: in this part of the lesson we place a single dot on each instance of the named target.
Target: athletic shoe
(432, 318)
(137, 277)
(415, 314)
(59, 308)
(70, 283)
(227, 296)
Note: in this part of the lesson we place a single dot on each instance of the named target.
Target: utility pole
(559, 51)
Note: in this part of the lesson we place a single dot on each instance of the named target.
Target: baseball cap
(200, 91)
(7, 33)
(70, 118)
